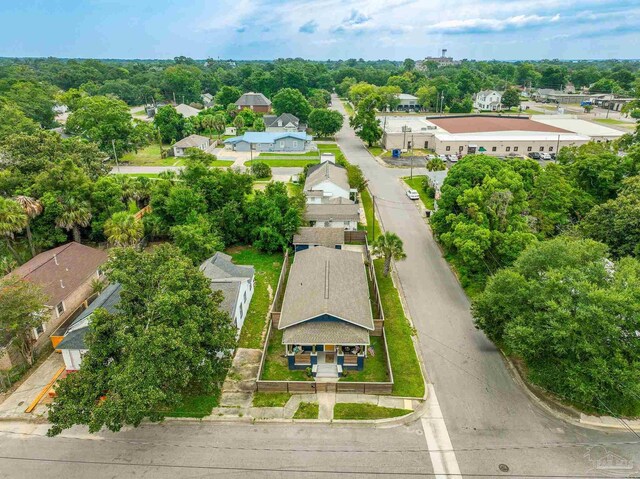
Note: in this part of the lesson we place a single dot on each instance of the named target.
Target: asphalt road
(482, 405)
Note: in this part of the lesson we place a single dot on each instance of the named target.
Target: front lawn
(276, 366)
(150, 156)
(366, 411)
(613, 121)
(276, 154)
(416, 184)
(307, 410)
(367, 204)
(270, 399)
(407, 376)
(285, 163)
(267, 268)
(328, 147)
(375, 150)
(197, 406)
(222, 163)
(375, 367)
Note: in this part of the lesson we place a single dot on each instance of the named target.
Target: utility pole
(404, 137)
(115, 155)
(442, 102)
(558, 145)
(174, 98)
(412, 157)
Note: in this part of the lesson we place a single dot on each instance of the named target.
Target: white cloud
(482, 25)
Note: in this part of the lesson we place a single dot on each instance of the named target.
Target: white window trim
(64, 308)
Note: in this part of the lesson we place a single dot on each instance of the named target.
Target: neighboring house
(343, 213)
(407, 102)
(65, 274)
(186, 110)
(207, 100)
(73, 346)
(284, 122)
(265, 141)
(191, 141)
(329, 179)
(236, 283)
(308, 237)
(326, 313)
(254, 101)
(488, 100)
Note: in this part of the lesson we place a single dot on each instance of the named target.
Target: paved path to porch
(326, 401)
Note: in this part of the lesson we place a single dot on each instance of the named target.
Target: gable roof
(405, 96)
(268, 137)
(62, 270)
(207, 96)
(285, 118)
(192, 141)
(326, 171)
(326, 281)
(332, 211)
(76, 332)
(186, 110)
(328, 237)
(253, 99)
(226, 277)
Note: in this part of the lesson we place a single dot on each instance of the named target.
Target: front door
(329, 353)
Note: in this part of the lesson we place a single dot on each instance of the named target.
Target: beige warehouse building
(498, 135)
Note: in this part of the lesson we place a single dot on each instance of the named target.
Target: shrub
(260, 170)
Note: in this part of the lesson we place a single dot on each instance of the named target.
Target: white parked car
(413, 195)
(431, 157)
(545, 156)
(453, 158)
(443, 157)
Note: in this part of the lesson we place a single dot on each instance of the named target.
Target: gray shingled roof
(272, 120)
(192, 141)
(325, 332)
(230, 291)
(219, 266)
(186, 110)
(253, 99)
(328, 237)
(325, 281)
(326, 171)
(77, 330)
(327, 212)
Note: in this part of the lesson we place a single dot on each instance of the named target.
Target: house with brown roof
(326, 316)
(192, 141)
(254, 101)
(308, 237)
(65, 274)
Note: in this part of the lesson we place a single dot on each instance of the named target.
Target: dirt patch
(405, 161)
(244, 371)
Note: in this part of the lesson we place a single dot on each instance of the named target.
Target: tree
(389, 246)
(291, 100)
(13, 120)
(75, 214)
(319, 98)
(123, 229)
(13, 219)
(436, 164)
(408, 64)
(325, 122)
(129, 373)
(258, 124)
(170, 123)
(570, 314)
(32, 208)
(103, 120)
(365, 123)
(238, 122)
(248, 116)
(35, 100)
(197, 240)
(260, 170)
(22, 309)
(359, 91)
(227, 95)
(510, 98)
(220, 123)
(427, 96)
(183, 81)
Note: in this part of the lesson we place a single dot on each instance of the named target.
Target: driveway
(489, 418)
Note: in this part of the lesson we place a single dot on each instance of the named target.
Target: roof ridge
(63, 248)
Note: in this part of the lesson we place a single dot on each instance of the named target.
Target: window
(508, 148)
(460, 148)
(100, 273)
(38, 331)
(241, 312)
(551, 148)
(295, 144)
(494, 148)
(60, 308)
(542, 148)
(515, 148)
(244, 300)
(529, 148)
(282, 144)
(426, 145)
(448, 148)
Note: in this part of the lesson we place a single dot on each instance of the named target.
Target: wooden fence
(355, 237)
(276, 306)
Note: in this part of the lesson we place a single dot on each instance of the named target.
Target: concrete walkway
(326, 401)
(15, 404)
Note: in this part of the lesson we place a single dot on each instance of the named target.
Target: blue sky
(321, 29)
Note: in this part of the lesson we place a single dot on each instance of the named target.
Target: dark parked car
(534, 155)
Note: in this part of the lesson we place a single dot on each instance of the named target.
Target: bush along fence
(309, 385)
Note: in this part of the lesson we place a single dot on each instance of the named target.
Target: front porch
(326, 360)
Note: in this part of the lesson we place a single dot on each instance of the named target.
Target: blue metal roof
(268, 137)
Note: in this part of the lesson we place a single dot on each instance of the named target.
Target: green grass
(416, 184)
(366, 411)
(375, 367)
(285, 163)
(367, 204)
(276, 367)
(150, 156)
(328, 146)
(222, 163)
(348, 107)
(198, 406)
(267, 268)
(268, 154)
(307, 410)
(294, 188)
(613, 121)
(270, 399)
(375, 150)
(529, 111)
(407, 375)
(146, 175)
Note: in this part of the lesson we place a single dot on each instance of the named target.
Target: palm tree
(75, 214)
(32, 208)
(389, 246)
(219, 124)
(13, 219)
(207, 123)
(123, 229)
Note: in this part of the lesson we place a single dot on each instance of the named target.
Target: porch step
(327, 371)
